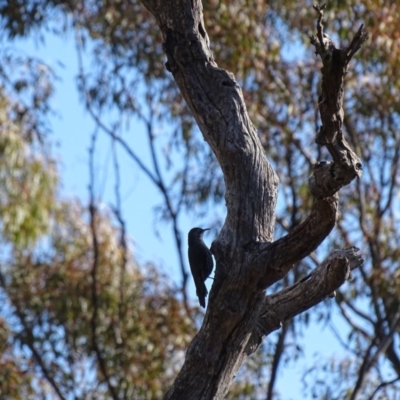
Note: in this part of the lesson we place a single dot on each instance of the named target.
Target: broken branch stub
(347, 164)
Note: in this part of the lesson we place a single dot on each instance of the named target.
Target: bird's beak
(207, 229)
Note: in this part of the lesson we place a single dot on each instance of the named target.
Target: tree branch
(306, 293)
(382, 344)
(94, 274)
(274, 260)
(335, 61)
(277, 258)
(382, 385)
(122, 242)
(278, 353)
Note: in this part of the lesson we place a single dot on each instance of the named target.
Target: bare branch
(328, 177)
(335, 61)
(382, 385)
(306, 293)
(320, 28)
(382, 343)
(94, 271)
(173, 213)
(274, 260)
(359, 312)
(359, 39)
(123, 245)
(279, 350)
(393, 357)
(394, 177)
(343, 343)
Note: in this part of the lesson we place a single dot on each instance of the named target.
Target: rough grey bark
(239, 314)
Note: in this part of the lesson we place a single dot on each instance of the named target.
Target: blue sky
(72, 128)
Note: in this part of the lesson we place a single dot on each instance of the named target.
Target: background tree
(270, 55)
(74, 300)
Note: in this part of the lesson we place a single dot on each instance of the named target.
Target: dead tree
(248, 261)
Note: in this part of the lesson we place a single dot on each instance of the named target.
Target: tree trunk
(239, 314)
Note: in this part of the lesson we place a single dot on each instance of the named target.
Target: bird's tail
(202, 294)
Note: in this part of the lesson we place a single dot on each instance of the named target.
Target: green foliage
(28, 187)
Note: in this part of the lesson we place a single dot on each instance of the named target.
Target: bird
(200, 261)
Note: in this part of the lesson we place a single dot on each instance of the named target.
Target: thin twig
(123, 245)
(279, 350)
(369, 362)
(394, 167)
(320, 27)
(381, 386)
(360, 37)
(360, 313)
(95, 267)
(342, 342)
(172, 212)
(354, 326)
